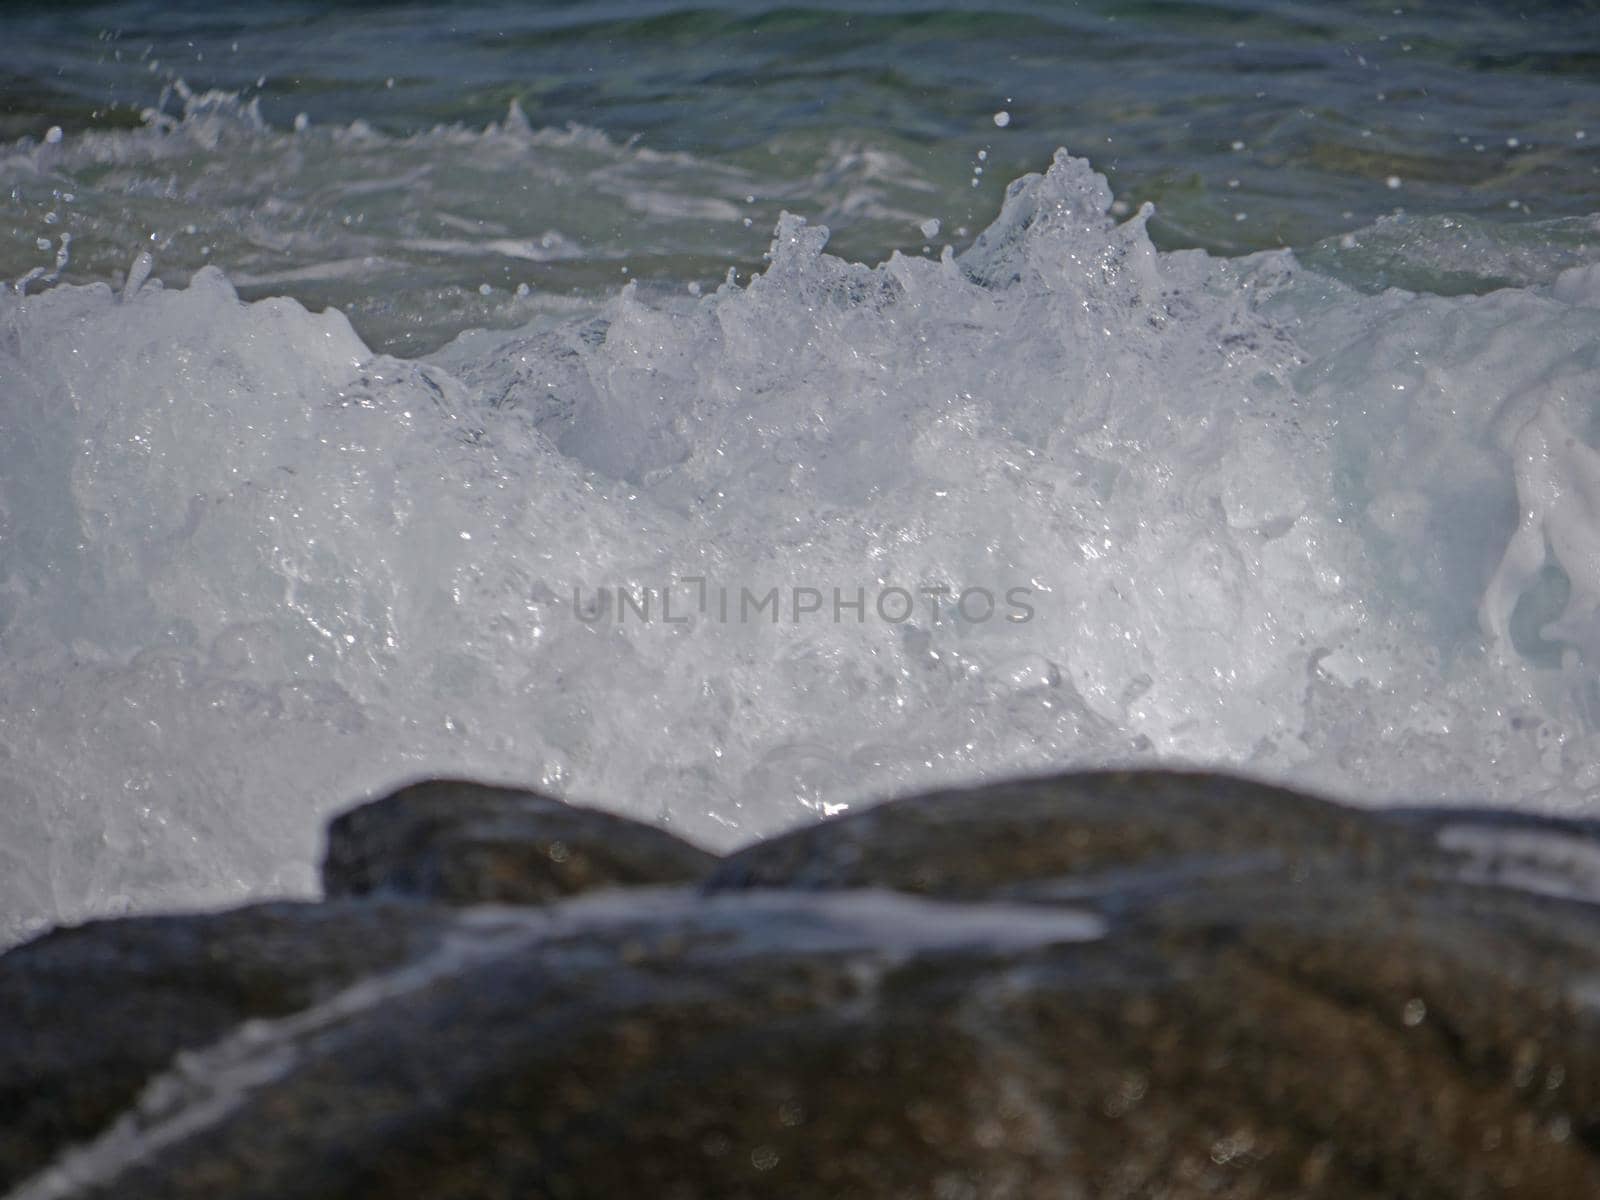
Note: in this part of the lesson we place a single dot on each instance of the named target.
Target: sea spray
(253, 568)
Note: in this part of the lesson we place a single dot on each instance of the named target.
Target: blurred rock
(468, 843)
(1069, 831)
(1119, 986)
(88, 1015)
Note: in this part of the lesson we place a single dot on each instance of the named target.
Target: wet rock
(1142, 999)
(862, 1043)
(1079, 830)
(469, 843)
(91, 1013)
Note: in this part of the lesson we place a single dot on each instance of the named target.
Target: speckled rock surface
(1113, 987)
(88, 1015)
(1024, 836)
(469, 843)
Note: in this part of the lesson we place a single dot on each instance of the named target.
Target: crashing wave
(254, 568)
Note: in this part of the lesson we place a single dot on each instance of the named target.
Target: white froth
(1251, 512)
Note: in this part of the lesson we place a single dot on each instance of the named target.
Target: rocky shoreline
(1105, 985)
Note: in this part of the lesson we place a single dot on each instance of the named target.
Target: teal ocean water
(663, 128)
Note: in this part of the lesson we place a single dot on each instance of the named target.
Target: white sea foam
(253, 570)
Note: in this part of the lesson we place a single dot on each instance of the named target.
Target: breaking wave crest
(255, 569)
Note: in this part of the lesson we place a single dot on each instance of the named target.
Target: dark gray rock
(1094, 986)
(1081, 828)
(1353, 1045)
(88, 1015)
(468, 843)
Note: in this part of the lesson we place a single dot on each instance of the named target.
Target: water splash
(254, 569)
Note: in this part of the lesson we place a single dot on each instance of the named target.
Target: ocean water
(729, 414)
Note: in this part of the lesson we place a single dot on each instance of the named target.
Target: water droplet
(138, 272)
